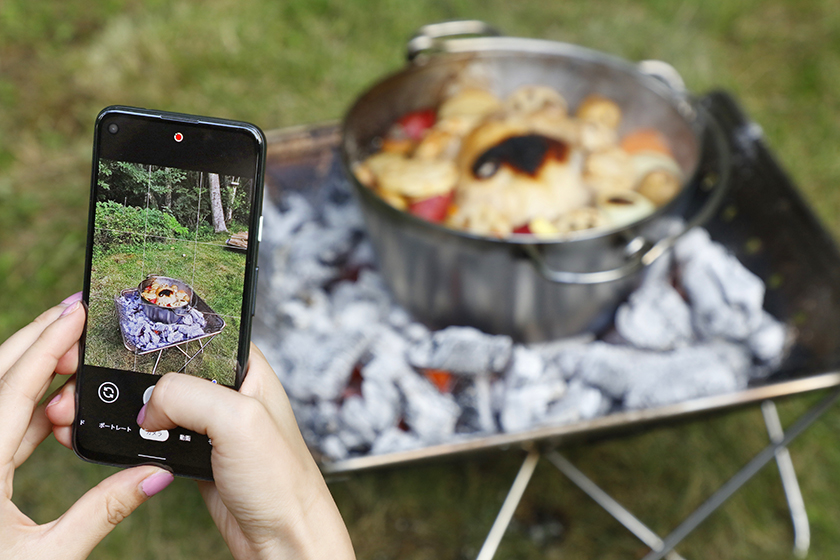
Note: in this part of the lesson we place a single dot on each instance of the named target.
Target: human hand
(28, 361)
(268, 497)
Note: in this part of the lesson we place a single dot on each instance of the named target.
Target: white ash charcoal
(362, 255)
(345, 217)
(145, 334)
(528, 404)
(463, 350)
(174, 336)
(476, 404)
(333, 447)
(768, 341)
(354, 416)
(329, 246)
(318, 365)
(699, 376)
(417, 333)
(388, 358)
(565, 355)
(376, 410)
(395, 440)
(382, 403)
(726, 299)
(581, 402)
(294, 276)
(311, 314)
(316, 421)
(645, 378)
(525, 366)
(430, 414)
(655, 317)
(368, 291)
(358, 316)
(278, 227)
(399, 318)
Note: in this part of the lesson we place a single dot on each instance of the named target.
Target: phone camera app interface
(168, 270)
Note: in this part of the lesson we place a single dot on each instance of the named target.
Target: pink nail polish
(141, 415)
(72, 299)
(157, 482)
(70, 309)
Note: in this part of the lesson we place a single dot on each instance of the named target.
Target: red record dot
(178, 136)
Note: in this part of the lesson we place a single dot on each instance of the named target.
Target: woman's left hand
(28, 362)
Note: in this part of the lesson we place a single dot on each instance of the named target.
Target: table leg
(798, 514)
(619, 512)
(741, 477)
(520, 483)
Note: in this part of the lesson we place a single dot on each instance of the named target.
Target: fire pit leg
(745, 474)
(157, 361)
(619, 512)
(520, 483)
(798, 515)
(202, 343)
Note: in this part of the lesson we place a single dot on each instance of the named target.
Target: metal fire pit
(763, 221)
(215, 324)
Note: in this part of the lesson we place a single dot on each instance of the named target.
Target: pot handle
(430, 37)
(639, 251)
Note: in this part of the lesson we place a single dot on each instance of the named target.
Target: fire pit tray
(215, 324)
(764, 221)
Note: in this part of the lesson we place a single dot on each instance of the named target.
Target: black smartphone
(170, 275)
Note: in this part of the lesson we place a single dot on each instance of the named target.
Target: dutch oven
(160, 313)
(530, 289)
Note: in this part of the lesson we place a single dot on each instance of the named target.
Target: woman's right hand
(268, 497)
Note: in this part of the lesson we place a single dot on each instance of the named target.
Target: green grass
(287, 63)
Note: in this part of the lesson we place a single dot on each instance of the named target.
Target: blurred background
(283, 63)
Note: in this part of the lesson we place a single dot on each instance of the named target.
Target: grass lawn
(286, 63)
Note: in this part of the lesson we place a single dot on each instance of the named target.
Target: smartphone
(170, 275)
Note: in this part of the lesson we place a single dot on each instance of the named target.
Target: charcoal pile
(365, 378)
(147, 335)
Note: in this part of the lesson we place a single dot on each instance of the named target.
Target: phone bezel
(147, 143)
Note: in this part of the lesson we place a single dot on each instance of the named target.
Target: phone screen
(163, 276)
(174, 220)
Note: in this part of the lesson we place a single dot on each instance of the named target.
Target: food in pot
(523, 165)
(165, 295)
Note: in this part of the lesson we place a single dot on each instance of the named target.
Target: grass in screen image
(158, 235)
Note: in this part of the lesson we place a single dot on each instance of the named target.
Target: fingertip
(155, 483)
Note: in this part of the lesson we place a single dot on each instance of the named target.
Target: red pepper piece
(526, 229)
(432, 209)
(415, 123)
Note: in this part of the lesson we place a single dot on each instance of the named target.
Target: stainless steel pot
(531, 290)
(159, 313)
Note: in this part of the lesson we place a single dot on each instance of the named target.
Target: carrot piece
(646, 140)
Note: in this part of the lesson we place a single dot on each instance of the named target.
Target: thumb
(104, 506)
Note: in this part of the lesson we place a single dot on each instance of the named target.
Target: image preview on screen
(168, 270)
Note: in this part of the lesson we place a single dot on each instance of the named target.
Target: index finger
(28, 378)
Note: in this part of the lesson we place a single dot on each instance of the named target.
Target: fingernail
(156, 483)
(141, 415)
(54, 400)
(73, 307)
(72, 299)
